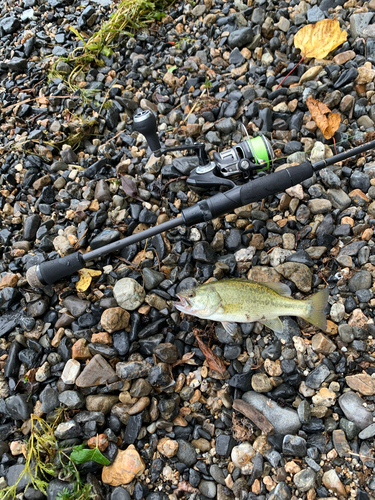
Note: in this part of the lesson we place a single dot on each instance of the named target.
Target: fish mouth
(183, 304)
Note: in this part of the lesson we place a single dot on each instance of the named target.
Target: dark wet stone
(12, 363)
(159, 375)
(224, 445)
(347, 76)
(68, 430)
(120, 494)
(18, 407)
(121, 342)
(204, 253)
(132, 369)
(132, 428)
(55, 488)
(31, 226)
(104, 238)
(240, 37)
(152, 278)
(13, 474)
(76, 306)
(294, 445)
(167, 353)
(317, 376)
(186, 453)
(50, 399)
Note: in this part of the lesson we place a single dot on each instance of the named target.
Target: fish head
(200, 301)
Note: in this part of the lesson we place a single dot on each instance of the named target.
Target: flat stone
(322, 344)
(101, 402)
(340, 443)
(71, 371)
(361, 382)
(368, 432)
(352, 406)
(331, 481)
(284, 420)
(97, 372)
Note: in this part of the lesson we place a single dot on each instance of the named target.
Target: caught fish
(243, 301)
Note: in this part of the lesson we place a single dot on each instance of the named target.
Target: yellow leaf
(318, 40)
(85, 279)
(321, 114)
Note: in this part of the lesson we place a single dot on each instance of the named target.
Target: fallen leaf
(130, 188)
(214, 362)
(186, 358)
(321, 114)
(85, 279)
(318, 40)
(171, 69)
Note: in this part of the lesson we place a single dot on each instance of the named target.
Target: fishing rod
(239, 163)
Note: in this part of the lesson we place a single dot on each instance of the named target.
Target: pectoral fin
(274, 324)
(280, 288)
(229, 327)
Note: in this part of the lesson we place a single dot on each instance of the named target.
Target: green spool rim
(259, 150)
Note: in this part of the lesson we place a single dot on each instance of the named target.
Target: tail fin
(315, 314)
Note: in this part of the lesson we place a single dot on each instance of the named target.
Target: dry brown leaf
(186, 358)
(214, 362)
(85, 279)
(321, 114)
(318, 40)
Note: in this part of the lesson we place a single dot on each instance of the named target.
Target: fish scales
(243, 301)
(249, 301)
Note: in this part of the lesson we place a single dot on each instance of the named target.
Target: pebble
(127, 465)
(97, 372)
(352, 406)
(128, 294)
(284, 420)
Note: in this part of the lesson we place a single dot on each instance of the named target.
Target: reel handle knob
(145, 123)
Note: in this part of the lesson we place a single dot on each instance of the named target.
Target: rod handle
(51, 271)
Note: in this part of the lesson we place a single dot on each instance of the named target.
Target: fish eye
(191, 295)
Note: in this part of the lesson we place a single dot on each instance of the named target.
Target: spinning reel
(239, 162)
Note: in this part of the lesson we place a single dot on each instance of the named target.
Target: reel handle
(145, 123)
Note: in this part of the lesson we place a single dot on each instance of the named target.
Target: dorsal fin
(280, 288)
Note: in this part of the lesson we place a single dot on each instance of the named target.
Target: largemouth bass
(243, 301)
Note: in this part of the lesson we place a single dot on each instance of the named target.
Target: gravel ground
(293, 416)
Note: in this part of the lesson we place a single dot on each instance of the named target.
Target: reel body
(239, 162)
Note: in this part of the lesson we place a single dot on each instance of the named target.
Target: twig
(290, 72)
(182, 178)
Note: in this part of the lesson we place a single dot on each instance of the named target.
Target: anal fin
(229, 327)
(274, 324)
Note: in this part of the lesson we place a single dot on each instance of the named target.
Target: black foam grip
(53, 270)
(275, 183)
(146, 125)
(255, 190)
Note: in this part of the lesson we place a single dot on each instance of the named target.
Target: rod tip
(32, 278)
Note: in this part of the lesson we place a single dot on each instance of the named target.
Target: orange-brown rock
(102, 338)
(99, 441)
(361, 382)
(9, 280)
(115, 318)
(127, 465)
(167, 447)
(80, 350)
